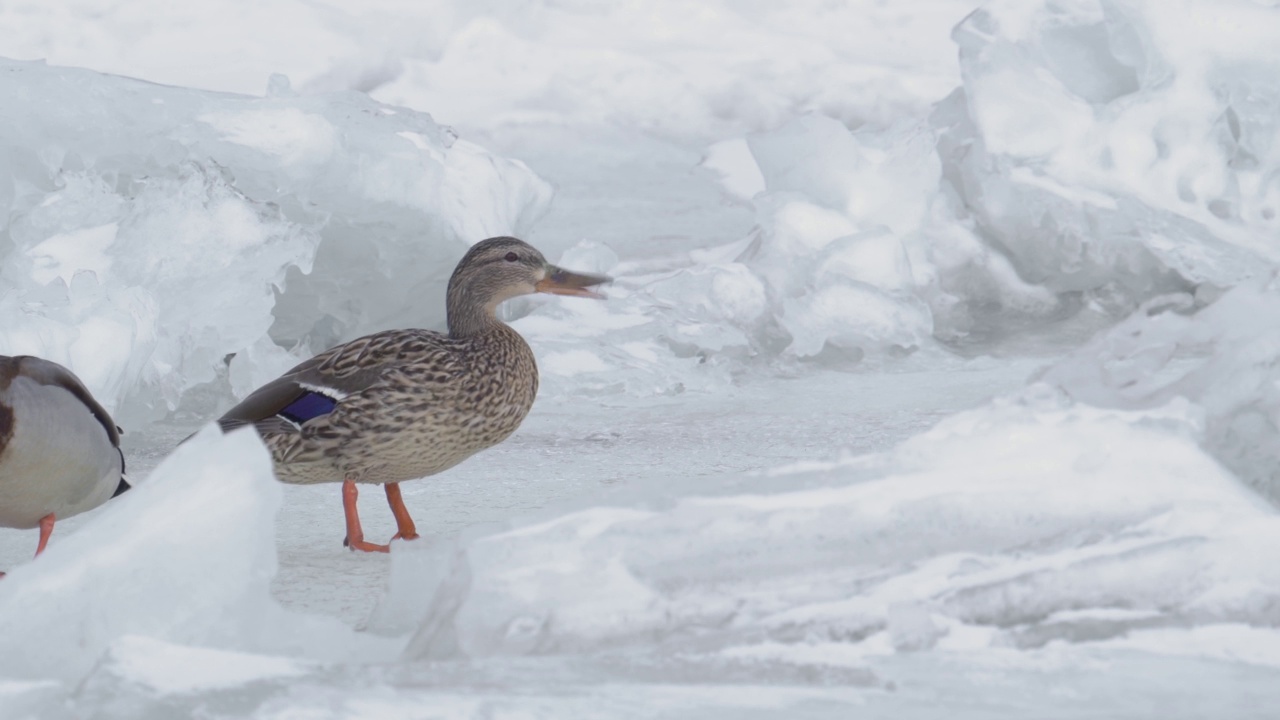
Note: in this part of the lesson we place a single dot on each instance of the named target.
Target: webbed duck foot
(363, 546)
(405, 529)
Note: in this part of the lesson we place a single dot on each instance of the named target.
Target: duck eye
(512, 257)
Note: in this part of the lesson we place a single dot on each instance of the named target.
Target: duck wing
(315, 387)
(51, 374)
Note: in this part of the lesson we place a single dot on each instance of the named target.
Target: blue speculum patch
(308, 405)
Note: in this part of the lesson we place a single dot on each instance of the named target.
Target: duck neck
(468, 315)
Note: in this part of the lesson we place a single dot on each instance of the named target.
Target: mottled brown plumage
(411, 403)
(428, 402)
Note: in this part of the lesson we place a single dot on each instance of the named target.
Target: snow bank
(660, 66)
(632, 343)
(1122, 149)
(154, 231)
(1026, 522)
(722, 68)
(186, 557)
(1099, 154)
(1096, 154)
(1094, 157)
(1032, 524)
(1225, 357)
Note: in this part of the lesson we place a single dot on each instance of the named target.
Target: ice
(699, 76)
(1094, 158)
(855, 256)
(1223, 356)
(294, 137)
(1255, 645)
(287, 154)
(1007, 518)
(127, 40)
(1031, 543)
(733, 162)
(496, 61)
(155, 232)
(186, 557)
(1030, 539)
(1169, 131)
(830, 232)
(622, 346)
(25, 698)
(1037, 192)
(176, 669)
(61, 256)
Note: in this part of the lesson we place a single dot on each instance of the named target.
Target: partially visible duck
(404, 404)
(59, 449)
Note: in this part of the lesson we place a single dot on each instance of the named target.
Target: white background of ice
(1048, 234)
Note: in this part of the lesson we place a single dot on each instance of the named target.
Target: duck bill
(559, 281)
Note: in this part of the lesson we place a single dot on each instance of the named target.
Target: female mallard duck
(403, 404)
(59, 450)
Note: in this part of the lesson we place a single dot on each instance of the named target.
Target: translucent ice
(700, 76)
(1021, 200)
(739, 173)
(644, 340)
(168, 669)
(1224, 356)
(1024, 522)
(1096, 156)
(186, 557)
(1113, 152)
(154, 232)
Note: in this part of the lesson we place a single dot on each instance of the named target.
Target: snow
(293, 136)
(739, 173)
(938, 369)
(185, 557)
(61, 256)
(182, 669)
(1001, 517)
(1222, 355)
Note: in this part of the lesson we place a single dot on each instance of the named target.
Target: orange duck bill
(559, 281)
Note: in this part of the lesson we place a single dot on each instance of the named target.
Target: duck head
(500, 268)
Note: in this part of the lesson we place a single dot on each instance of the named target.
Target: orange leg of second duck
(355, 535)
(405, 529)
(46, 529)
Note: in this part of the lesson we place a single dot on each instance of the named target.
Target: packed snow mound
(1225, 357)
(858, 256)
(187, 556)
(703, 76)
(634, 342)
(208, 46)
(1025, 522)
(1119, 150)
(142, 677)
(1095, 157)
(1032, 524)
(152, 232)
(659, 66)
